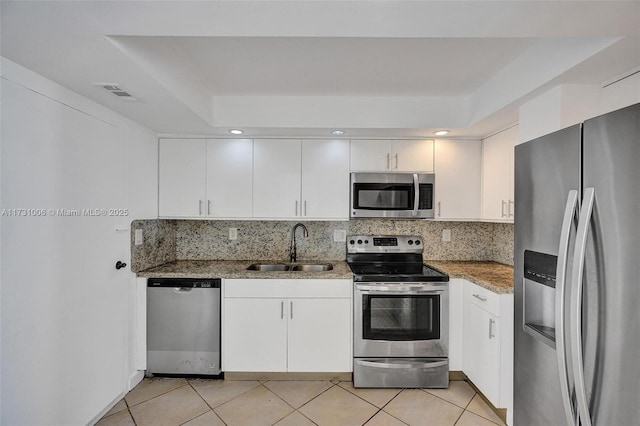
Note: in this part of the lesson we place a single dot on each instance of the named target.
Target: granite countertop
(493, 276)
(238, 269)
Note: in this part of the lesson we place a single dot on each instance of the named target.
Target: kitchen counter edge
(493, 276)
(237, 269)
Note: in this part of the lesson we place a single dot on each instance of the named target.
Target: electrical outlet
(233, 233)
(138, 238)
(446, 235)
(339, 236)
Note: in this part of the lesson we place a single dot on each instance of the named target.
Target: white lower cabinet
(287, 326)
(319, 335)
(255, 335)
(487, 343)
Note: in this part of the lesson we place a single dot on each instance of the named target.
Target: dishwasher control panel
(185, 282)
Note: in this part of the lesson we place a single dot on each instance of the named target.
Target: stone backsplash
(503, 234)
(168, 240)
(159, 244)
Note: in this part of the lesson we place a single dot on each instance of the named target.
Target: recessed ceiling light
(338, 132)
(236, 131)
(441, 132)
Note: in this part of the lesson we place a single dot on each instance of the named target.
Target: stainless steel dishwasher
(183, 326)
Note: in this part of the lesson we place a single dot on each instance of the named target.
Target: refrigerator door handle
(576, 305)
(561, 278)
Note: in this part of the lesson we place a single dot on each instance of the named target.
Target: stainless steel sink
(302, 267)
(312, 267)
(269, 267)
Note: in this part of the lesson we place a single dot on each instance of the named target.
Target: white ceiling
(331, 66)
(300, 68)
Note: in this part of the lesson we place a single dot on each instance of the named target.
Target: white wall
(621, 94)
(65, 311)
(569, 104)
(560, 107)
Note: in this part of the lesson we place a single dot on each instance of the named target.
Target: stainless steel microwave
(392, 195)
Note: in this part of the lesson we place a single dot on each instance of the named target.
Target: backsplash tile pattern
(269, 240)
(503, 234)
(257, 240)
(168, 240)
(159, 243)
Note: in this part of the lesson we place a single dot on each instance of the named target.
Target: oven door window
(383, 196)
(401, 318)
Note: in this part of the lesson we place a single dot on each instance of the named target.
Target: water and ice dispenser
(539, 294)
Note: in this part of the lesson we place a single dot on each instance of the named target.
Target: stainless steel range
(401, 314)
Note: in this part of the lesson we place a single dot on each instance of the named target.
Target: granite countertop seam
(493, 276)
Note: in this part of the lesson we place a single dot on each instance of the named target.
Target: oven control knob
(366, 241)
(410, 242)
(417, 242)
(352, 242)
(359, 241)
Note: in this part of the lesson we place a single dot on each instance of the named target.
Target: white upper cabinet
(229, 178)
(301, 179)
(457, 188)
(325, 179)
(370, 155)
(392, 155)
(181, 177)
(412, 155)
(497, 175)
(200, 178)
(276, 178)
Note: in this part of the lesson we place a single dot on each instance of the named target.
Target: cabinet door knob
(120, 265)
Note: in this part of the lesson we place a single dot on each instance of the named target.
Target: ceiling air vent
(117, 90)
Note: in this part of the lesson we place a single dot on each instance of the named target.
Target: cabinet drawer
(483, 298)
(287, 288)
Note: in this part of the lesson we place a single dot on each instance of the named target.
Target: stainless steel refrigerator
(577, 274)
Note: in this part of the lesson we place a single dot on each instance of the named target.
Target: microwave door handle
(416, 198)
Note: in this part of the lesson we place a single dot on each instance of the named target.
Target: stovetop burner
(390, 259)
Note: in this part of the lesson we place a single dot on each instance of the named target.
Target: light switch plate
(339, 236)
(233, 233)
(138, 238)
(446, 235)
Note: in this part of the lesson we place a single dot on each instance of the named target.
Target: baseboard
(457, 375)
(135, 378)
(287, 376)
(501, 412)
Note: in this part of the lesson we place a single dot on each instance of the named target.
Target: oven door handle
(378, 289)
(396, 292)
(404, 365)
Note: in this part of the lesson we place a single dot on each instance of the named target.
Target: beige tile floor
(200, 402)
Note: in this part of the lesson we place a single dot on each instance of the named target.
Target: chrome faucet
(293, 251)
